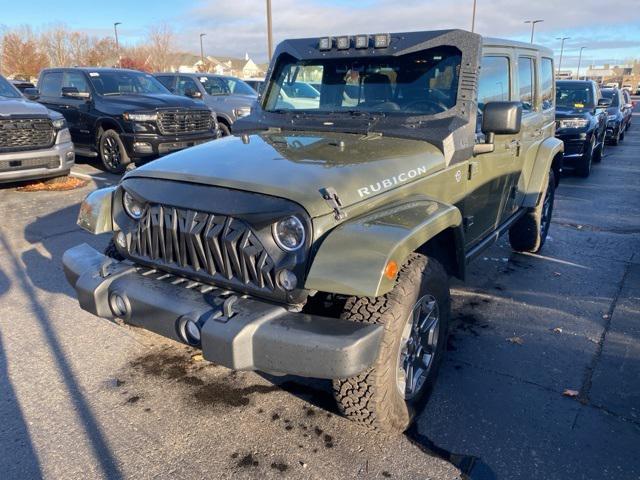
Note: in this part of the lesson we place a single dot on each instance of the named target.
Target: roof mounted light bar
(380, 40)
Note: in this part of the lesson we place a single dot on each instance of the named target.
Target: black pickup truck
(123, 115)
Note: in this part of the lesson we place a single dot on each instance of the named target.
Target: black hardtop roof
(91, 69)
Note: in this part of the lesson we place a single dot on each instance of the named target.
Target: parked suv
(230, 97)
(619, 114)
(123, 115)
(34, 141)
(581, 123)
(322, 242)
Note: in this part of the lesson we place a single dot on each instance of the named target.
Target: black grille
(26, 134)
(184, 121)
(220, 248)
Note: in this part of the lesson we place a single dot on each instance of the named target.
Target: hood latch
(332, 198)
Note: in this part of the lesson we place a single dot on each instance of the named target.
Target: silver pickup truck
(34, 141)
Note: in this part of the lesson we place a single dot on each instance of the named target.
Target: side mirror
(72, 92)
(31, 93)
(499, 118)
(604, 102)
(193, 93)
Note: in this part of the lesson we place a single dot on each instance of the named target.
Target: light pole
(269, 31)
(473, 17)
(115, 29)
(561, 51)
(533, 26)
(580, 61)
(202, 49)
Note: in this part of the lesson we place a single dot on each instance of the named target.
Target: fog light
(118, 305)
(121, 239)
(142, 147)
(287, 279)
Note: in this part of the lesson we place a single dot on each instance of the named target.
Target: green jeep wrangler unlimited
(319, 240)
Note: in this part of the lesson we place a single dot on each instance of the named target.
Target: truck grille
(26, 134)
(218, 248)
(184, 121)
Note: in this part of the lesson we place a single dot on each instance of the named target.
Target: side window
(77, 80)
(494, 84)
(185, 84)
(546, 89)
(51, 84)
(526, 81)
(167, 81)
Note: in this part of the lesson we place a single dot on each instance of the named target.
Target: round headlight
(289, 233)
(133, 207)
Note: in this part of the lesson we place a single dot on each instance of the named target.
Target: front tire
(529, 233)
(415, 316)
(584, 167)
(112, 152)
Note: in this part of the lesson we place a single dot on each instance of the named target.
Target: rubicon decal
(391, 182)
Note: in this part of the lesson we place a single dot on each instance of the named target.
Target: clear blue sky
(610, 30)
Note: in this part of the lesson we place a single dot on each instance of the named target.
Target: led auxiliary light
(362, 41)
(343, 43)
(325, 43)
(381, 40)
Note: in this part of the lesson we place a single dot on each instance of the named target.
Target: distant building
(613, 73)
(564, 75)
(236, 67)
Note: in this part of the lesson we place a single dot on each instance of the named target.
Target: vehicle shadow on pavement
(18, 458)
(53, 234)
(98, 442)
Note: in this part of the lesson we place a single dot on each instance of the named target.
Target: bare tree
(56, 44)
(160, 45)
(21, 54)
(102, 52)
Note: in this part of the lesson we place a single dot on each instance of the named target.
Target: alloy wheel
(111, 153)
(418, 346)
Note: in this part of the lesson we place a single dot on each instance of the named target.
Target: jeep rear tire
(415, 316)
(529, 233)
(112, 152)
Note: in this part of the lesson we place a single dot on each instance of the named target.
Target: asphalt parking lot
(84, 398)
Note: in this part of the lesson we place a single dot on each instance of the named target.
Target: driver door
(488, 174)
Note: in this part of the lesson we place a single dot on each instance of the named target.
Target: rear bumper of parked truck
(236, 331)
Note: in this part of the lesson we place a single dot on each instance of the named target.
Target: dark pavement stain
(275, 417)
(386, 474)
(133, 399)
(224, 394)
(248, 461)
(281, 467)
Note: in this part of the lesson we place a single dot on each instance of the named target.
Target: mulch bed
(59, 184)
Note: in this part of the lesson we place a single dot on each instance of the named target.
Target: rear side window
(167, 81)
(494, 83)
(51, 84)
(526, 81)
(77, 80)
(546, 88)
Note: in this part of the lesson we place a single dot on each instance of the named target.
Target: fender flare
(545, 156)
(352, 258)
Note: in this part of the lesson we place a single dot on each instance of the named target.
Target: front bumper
(575, 145)
(143, 145)
(51, 162)
(242, 333)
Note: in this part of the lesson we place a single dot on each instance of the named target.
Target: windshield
(423, 83)
(125, 83)
(225, 86)
(579, 95)
(611, 95)
(7, 90)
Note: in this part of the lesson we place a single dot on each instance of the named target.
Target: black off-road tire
(583, 168)
(112, 251)
(529, 233)
(111, 139)
(616, 139)
(373, 398)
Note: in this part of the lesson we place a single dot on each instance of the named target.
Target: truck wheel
(530, 231)
(599, 153)
(112, 152)
(622, 130)
(224, 129)
(112, 251)
(584, 167)
(415, 315)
